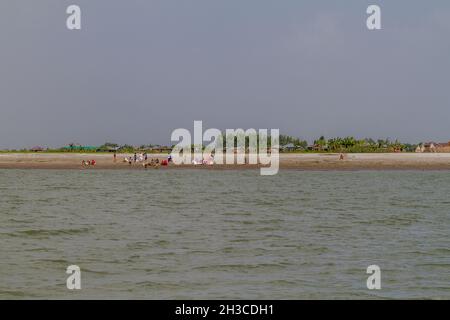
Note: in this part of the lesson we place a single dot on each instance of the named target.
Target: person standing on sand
(115, 156)
(135, 157)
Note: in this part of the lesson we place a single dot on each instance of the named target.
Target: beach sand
(302, 161)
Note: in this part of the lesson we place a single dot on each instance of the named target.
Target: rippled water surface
(203, 234)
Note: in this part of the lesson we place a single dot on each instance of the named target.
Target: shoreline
(300, 161)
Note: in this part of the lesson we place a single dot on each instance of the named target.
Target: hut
(37, 149)
(443, 147)
(288, 147)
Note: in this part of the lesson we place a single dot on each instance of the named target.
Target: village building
(443, 147)
(433, 147)
(37, 149)
(288, 147)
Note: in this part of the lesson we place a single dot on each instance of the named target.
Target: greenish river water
(206, 234)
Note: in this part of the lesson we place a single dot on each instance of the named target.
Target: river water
(212, 234)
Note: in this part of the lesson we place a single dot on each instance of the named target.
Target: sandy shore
(366, 161)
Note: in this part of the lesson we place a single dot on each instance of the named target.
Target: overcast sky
(139, 69)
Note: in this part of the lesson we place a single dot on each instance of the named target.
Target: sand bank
(309, 161)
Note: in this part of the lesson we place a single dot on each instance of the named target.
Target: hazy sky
(140, 68)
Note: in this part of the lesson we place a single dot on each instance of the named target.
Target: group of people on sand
(143, 158)
(207, 160)
(155, 163)
(87, 163)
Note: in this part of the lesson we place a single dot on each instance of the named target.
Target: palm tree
(334, 144)
(349, 142)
